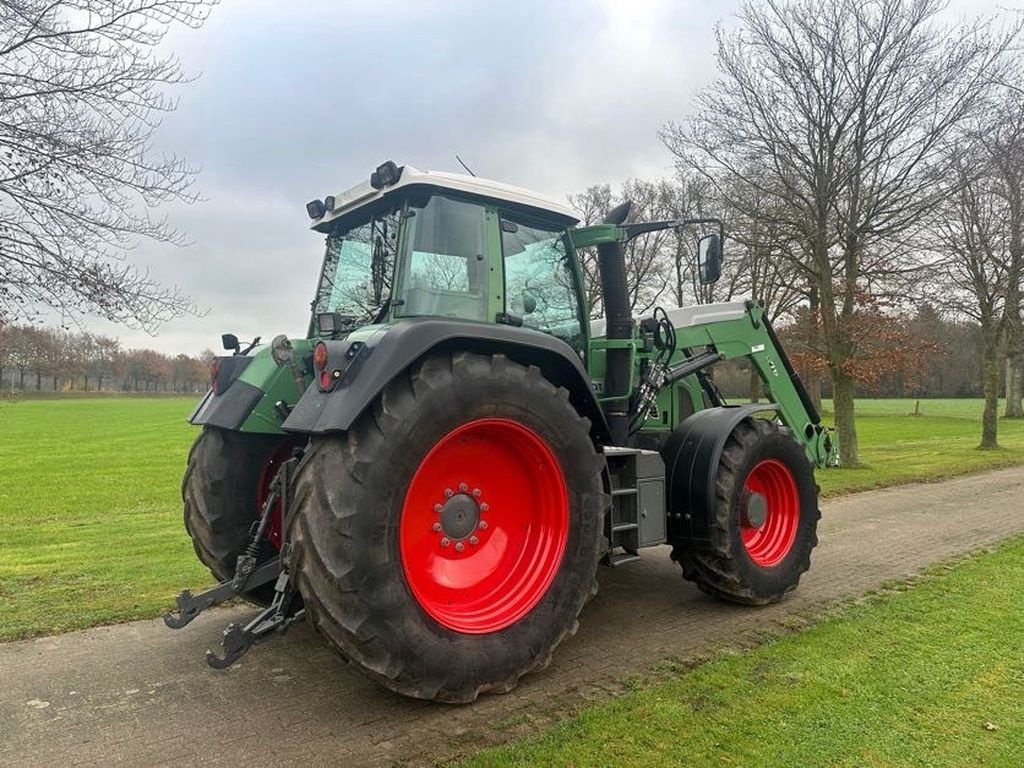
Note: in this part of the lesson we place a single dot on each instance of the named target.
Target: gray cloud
(299, 100)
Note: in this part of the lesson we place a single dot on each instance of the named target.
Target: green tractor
(434, 474)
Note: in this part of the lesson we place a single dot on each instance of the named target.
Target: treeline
(51, 360)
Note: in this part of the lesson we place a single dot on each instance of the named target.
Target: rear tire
(226, 475)
(448, 621)
(748, 563)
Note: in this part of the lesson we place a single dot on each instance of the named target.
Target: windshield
(358, 270)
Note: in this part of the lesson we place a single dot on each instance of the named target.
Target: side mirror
(230, 342)
(709, 259)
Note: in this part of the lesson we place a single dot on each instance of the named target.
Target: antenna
(464, 165)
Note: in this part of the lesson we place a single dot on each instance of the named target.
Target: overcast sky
(296, 101)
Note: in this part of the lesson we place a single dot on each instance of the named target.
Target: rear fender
(360, 369)
(691, 455)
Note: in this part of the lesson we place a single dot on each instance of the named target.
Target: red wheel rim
(281, 454)
(768, 544)
(484, 526)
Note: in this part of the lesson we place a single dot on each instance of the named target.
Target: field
(90, 510)
(927, 676)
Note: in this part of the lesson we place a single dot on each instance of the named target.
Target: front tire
(765, 519)
(447, 542)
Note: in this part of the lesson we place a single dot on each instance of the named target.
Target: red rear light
(320, 357)
(214, 371)
(325, 380)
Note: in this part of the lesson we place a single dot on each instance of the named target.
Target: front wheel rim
(484, 526)
(770, 540)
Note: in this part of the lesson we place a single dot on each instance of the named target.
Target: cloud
(300, 100)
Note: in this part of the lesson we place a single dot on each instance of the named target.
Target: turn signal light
(214, 371)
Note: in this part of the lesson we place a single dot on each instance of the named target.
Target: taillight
(320, 357)
(214, 371)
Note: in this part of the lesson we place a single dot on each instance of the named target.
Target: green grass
(897, 447)
(932, 676)
(90, 511)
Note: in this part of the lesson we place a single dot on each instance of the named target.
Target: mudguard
(360, 368)
(691, 456)
(249, 387)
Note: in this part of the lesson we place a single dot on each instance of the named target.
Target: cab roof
(364, 194)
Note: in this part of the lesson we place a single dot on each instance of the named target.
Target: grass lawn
(90, 510)
(897, 447)
(931, 676)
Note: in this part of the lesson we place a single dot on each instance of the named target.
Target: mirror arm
(642, 228)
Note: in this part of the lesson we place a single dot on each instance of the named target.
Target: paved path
(141, 694)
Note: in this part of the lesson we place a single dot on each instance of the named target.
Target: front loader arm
(744, 331)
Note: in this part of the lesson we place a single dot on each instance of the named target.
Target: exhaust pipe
(611, 262)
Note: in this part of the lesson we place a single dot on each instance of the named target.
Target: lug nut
(482, 525)
(448, 493)
(438, 507)
(476, 492)
(484, 507)
(463, 487)
(459, 546)
(474, 540)
(445, 542)
(437, 526)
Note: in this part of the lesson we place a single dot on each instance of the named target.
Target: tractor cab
(412, 244)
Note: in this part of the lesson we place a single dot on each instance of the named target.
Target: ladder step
(621, 558)
(619, 527)
(623, 491)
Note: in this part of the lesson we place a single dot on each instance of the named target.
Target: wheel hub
(460, 516)
(755, 510)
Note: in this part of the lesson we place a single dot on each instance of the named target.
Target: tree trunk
(755, 384)
(21, 379)
(54, 383)
(1014, 409)
(990, 385)
(99, 383)
(846, 425)
(813, 387)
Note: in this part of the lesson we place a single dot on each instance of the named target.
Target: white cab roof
(363, 194)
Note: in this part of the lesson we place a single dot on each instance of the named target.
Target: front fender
(365, 370)
(248, 401)
(691, 456)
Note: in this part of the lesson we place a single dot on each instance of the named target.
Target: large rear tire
(447, 542)
(226, 480)
(765, 519)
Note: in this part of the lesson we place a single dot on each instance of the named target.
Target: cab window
(445, 260)
(540, 287)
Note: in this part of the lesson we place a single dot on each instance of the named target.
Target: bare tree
(1003, 142)
(82, 90)
(842, 106)
(971, 232)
